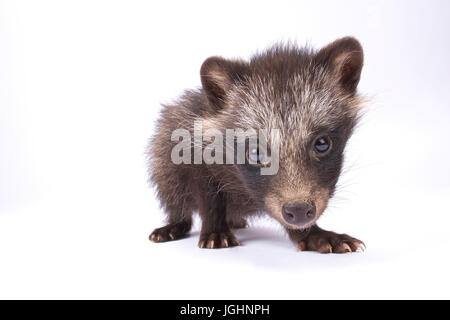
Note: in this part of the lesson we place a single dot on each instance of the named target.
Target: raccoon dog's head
(311, 98)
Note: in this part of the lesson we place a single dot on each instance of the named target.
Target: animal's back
(173, 183)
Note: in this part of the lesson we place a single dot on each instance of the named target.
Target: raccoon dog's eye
(322, 146)
(257, 157)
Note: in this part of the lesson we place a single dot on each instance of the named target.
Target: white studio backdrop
(81, 83)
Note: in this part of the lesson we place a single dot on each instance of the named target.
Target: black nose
(299, 213)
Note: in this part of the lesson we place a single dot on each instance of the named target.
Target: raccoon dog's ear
(345, 58)
(217, 76)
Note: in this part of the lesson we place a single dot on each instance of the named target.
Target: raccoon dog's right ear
(217, 76)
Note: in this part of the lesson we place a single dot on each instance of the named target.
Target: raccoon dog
(308, 97)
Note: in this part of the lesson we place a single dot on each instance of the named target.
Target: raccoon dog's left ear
(345, 58)
(217, 76)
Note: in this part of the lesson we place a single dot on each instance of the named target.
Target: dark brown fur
(302, 92)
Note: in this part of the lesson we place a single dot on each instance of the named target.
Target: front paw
(216, 240)
(329, 242)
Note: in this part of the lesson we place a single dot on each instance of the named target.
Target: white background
(81, 84)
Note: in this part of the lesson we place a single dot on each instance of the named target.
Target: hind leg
(172, 231)
(235, 213)
(237, 223)
(180, 223)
